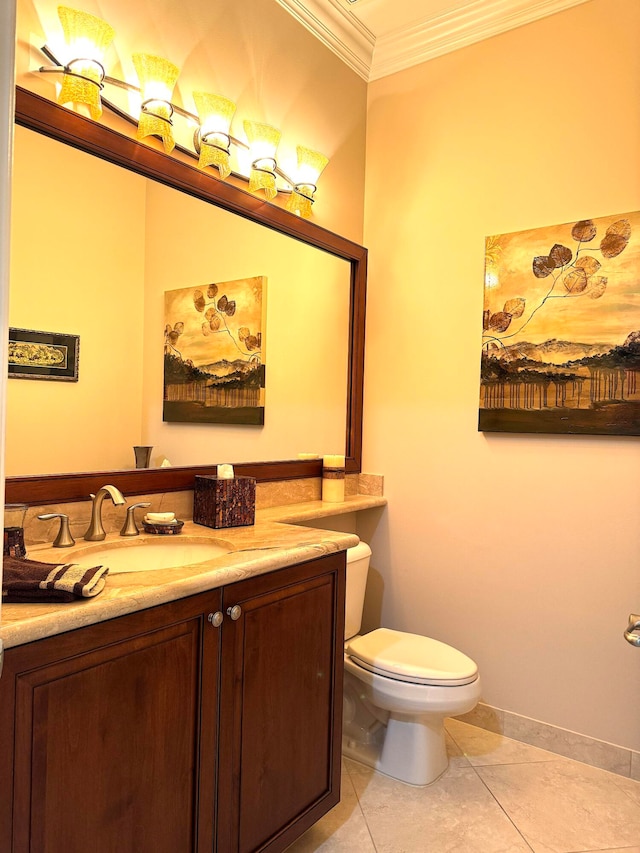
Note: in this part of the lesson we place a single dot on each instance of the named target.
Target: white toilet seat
(411, 658)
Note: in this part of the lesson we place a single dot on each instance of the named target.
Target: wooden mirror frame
(44, 116)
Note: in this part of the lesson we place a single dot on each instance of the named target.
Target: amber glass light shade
(263, 143)
(215, 113)
(157, 78)
(87, 39)
(310, 167)
(299, 203)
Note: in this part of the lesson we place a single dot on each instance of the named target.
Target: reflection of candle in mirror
(308, 456)
(333, 478)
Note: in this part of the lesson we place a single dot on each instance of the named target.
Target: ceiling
(379, 37)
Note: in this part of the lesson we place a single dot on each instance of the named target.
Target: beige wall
(522, 550)
(76, 269)
(306, 331)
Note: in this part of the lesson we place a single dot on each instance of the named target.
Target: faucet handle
(64, 539)
(130, 528)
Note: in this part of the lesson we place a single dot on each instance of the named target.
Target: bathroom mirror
(201, 200)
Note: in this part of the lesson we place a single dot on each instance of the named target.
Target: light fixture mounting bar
(57, 67)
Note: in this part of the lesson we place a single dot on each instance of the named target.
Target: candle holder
(333, 473)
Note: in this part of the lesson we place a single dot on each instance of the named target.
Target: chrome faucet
(95, 531)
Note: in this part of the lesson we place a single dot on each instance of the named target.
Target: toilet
(398, 690)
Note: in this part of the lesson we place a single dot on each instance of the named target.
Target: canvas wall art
(214, 344)
(561, 329)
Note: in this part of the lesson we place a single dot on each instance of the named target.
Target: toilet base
(397, 727)
(409, 749)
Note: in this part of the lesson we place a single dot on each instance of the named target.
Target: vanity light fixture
(263, 143)
(212, 140)
(310, 166)
(157, 78)
(87, 39)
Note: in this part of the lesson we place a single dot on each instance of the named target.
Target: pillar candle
(333, 478)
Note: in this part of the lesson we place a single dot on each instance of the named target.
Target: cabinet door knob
(235, 612)
(216, 618)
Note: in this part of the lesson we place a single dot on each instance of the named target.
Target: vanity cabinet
(163, 732)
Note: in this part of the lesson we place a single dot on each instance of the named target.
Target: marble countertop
(277, 539)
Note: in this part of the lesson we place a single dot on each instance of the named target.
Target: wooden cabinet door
(110, 724)
(281, 711)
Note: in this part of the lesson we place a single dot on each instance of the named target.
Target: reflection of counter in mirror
(110, 244)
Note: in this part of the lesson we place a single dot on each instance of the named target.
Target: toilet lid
(410, 657)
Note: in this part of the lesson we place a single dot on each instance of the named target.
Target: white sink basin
(145, 554)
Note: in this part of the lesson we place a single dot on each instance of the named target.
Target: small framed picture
(43, 355)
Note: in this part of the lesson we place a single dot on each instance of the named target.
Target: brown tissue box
(224, 503)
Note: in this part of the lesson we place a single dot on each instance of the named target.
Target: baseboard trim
(597, 753)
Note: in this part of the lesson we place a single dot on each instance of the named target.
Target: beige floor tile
(484, 747)
(456, 757)
(618, 850)
(629, 786)
(496, 796)
(452, 746)
(563, 806)
(342, 830)
(456, 814)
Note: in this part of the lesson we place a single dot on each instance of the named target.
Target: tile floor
(498, 796)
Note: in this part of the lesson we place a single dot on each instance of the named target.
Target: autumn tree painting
(214, 368)
(561, 329)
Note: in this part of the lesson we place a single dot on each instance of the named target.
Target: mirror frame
(46, 117)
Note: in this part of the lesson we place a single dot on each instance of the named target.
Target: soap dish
(166, 527)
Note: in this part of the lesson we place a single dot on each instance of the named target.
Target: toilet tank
(357, 570)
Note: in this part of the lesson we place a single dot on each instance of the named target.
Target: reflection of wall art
(43, 355)
(214, 353)
(561, 341)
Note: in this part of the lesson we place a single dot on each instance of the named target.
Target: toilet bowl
(398, 690)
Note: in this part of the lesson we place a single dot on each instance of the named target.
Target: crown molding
(373, 58)
(338, 29)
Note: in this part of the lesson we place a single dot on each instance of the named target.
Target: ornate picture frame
(52, 356)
